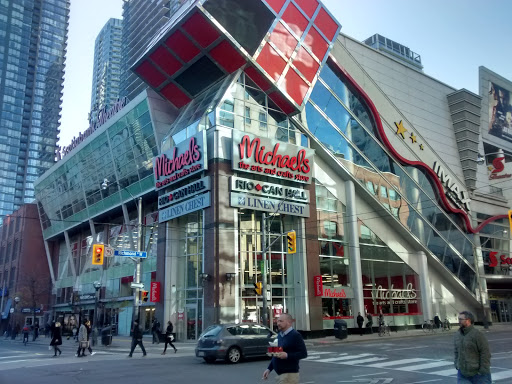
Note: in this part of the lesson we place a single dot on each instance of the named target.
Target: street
(402, 359)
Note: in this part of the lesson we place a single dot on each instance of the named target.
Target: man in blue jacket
(286, 363)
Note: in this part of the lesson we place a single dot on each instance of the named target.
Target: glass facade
(123, 154)
(33, 36)
(107, 65)
(343, 124)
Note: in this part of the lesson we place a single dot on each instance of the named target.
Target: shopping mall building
(261, 118)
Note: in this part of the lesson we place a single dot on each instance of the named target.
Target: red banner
(319, 287)
(154, 294)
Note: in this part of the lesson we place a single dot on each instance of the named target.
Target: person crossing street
(137, 339)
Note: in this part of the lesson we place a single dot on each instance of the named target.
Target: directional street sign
(137, 285)
(126, 253)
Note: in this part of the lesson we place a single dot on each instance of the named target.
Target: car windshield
(212, 331)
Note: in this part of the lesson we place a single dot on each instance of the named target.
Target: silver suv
(233, 342)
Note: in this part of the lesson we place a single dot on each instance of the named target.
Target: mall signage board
(265, 157)
(182, 193)
(340, 292)
(265, 204)
(194, 204)
(261, 188)
(181, 161)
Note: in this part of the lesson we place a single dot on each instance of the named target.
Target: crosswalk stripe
(501, 375)
(357, 362)
(446, 372)
(318, 353)
(312, 357)
(344, 357)
(396, 362)
(425, 366)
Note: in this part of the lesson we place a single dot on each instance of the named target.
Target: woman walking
(56, 339)
(169, 338)
(82, 340)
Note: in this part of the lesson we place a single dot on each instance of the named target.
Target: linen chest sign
(269, 190)
(262, 156)
(188, 206)
(258, 203)
(182, 161)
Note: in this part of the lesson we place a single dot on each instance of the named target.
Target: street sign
(109, 251)
(137, 285)
(126, 253)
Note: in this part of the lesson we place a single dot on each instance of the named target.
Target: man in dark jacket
(155, 330)
(472, 354)
(286, 363)
(137, 339)
(360, 322)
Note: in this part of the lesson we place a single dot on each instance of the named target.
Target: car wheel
(209, 359)
(234, 355)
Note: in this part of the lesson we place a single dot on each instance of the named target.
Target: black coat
(360, 320)
(137, 333)
(57, 336)
(169, 330)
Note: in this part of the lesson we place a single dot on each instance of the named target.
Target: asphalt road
(386, 360)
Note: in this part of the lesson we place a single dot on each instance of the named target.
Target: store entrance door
(192, 320)
(501, 311)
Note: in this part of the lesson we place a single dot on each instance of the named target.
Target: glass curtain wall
(342, 123)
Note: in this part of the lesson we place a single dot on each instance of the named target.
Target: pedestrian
(155, 330)
(89, 331)
(137, 339)
(26, 331)
(52, 328)
(56, 339)
(472, 354)
(82, 340)
(286, 362)
(369, 323)
(360, 322)
(169, 337)
(36, 331)
(74, 331)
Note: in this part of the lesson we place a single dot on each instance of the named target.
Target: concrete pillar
(426, 297)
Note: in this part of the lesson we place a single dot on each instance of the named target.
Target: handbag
(84, 344)
(171, 337)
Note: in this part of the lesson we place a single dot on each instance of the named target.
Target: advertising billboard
(500, 112)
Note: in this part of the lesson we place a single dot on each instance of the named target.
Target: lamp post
(136, 307)
(16, 301)
(97, 286)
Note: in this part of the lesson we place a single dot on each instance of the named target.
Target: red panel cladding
(305, 63)
(258, 78)
(326, 24)
(316, 43)
(271, 62)
(227, 56)
(150, 74)
(296, 21)
(283, 40)
(182, 46)
(295, 86)
(172, 93)
(201, 30)
(165, 60)
(281, 102)
(276, 4)
(308, 6)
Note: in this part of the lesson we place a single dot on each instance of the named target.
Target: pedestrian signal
(258, 288)
(98, 250)
(291, 236)
(145, 296)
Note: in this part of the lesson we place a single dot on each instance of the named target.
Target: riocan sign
(182, 193)
(262, 156)
(154, 293)
(262, 188)
(180, 162)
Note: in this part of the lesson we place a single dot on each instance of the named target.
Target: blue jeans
(477, 379)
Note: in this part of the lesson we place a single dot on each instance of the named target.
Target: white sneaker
(93, 353)
(76, 354)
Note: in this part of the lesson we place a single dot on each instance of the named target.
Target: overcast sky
(453, 37)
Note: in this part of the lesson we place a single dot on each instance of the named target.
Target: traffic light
(291, 236)
(258, 288)
(98, 250)
(510, 219)
(145, 296)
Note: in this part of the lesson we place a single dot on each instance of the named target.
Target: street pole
(137, 261)
(264, 313)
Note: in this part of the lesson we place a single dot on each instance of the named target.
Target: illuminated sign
(269, 205)
(453, 190)
(319, 286)
(493, 260)
(498, 166)
(180, 162)
(182, 193)
(154, 293)
(262, 188)
(262, 156)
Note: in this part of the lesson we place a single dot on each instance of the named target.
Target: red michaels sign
(180, 162)
(154, 293)
(319, 285)
(269, 158)
(493, 260)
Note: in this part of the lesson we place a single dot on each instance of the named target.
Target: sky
(453, 37)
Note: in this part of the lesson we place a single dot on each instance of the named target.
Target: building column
(426, 297)
(352, 233)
